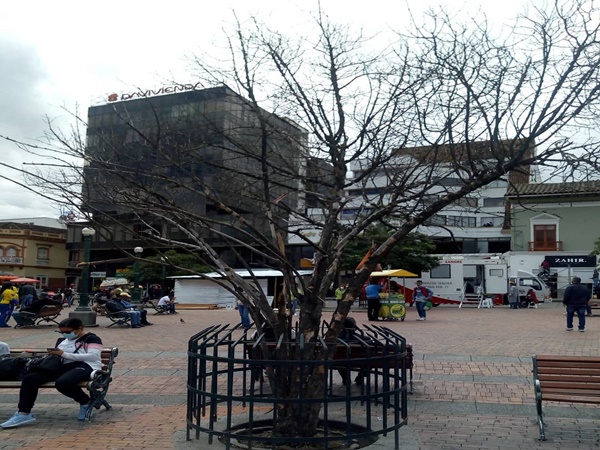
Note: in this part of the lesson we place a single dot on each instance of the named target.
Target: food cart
(393, 304)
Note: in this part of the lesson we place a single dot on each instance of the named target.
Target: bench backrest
(567, 373)
(49, 310)
(350, 351)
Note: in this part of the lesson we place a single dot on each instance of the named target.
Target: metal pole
(137, 295)
(135, 298)
(163, 290)
(83, 311)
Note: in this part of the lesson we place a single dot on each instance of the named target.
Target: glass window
(493, 201)
(544, 237)
(43, 253)
(11, 251)
(441, 271)
(497, 273)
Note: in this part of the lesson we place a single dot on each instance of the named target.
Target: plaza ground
(472, 370)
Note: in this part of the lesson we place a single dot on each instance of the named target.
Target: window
(11, 251)
(497, 273)
(544, 237)
(467, 202)
(441, 271)
(43, 253)
(493, 201)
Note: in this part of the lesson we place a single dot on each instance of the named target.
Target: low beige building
(34, 251)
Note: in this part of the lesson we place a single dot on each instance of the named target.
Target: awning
(394, 273)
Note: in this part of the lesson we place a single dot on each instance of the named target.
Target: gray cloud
(22, 107)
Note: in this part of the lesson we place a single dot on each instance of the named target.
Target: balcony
(11, 260)
(42, 262)
(545, 246)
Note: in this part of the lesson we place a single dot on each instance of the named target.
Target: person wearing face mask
(81, 355)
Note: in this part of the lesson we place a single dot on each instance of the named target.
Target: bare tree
(448, 99)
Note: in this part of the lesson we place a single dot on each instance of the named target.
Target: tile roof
(554, 189)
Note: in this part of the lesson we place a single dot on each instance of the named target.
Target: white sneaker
(17, 420)
(420, 318)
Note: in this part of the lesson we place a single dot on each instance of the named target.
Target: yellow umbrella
(394, 273)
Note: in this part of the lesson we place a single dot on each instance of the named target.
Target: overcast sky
(71, 54)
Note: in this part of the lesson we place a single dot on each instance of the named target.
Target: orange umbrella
(24, 280)
(8, 277)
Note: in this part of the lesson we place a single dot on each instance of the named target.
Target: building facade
(473, 224)
(557, 222)
(183, 150)
(34, 251)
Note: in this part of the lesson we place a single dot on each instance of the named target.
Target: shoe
(420, 318)
(83, 409)
(146, 324)
(569, 329)
(17, 420)
(581, 330)
(136, 326)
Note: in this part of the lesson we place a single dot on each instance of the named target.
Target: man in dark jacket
(27, 314)
(27, 295)
(575, 299)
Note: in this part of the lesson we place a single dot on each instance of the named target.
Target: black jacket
(576, 295)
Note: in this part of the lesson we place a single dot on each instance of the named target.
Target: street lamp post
(137, 295)
(163, 280)
(83, 311)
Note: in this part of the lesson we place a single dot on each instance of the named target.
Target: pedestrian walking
(576, 299)
(421, 296)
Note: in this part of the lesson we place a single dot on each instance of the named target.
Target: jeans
(67, 384)
(5, 313)
(25, 301)
(421, 309)
(244, 315)
(580, 310)
(136, 317)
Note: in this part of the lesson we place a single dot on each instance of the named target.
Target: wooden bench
(48, 314)
(159, 309)
(350, 351)
(97, 386)
(571, 379)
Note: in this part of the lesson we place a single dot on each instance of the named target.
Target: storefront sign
(571, 261)
(152, 92)
(98, 275)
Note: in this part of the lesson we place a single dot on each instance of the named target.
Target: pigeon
(182, 321)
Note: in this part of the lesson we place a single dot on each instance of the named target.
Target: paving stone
(472, 369)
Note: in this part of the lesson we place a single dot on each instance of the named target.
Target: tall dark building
(180, 152)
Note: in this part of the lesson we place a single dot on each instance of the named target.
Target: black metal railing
(234, 379)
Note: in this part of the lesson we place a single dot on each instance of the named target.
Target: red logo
(113, 97)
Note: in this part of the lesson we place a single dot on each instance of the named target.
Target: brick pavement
(473, 372)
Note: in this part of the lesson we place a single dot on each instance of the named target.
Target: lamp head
(138, 250)
(87, 231)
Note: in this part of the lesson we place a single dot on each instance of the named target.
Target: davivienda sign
(153, 92)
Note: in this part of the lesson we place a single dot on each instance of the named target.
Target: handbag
(47, 364)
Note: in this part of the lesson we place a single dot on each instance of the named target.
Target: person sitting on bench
(168, 303)
(26, 315)
(138, 318)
